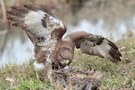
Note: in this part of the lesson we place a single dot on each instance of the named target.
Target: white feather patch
(38, 66)
(33, 20)
(66, 67)
(34, 17)
(55, 22)
(48, 59)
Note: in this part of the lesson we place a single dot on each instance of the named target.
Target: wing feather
(35, 21)
(95, 45)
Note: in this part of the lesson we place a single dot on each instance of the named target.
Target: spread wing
(37, 23)
(94, 45)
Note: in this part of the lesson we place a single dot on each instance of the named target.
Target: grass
(115, 77)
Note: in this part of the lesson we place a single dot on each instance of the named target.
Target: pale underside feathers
(46, 31)
(35, 22)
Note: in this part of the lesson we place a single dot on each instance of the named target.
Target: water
(19, 51)
(15, 48)
(16, 52)
(116, 32)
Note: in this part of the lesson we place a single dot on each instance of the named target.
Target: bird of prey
(50, 47)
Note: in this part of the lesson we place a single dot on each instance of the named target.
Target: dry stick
(4, 14)
(4, 9)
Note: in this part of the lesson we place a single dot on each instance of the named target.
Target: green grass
(114, 76)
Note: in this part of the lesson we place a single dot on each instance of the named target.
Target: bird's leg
(48, 68)
(48, 72)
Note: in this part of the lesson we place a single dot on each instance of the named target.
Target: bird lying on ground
(78, 79)
(50, 47)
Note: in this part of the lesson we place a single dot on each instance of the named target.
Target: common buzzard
(51, 49)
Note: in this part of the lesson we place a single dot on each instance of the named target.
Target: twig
(4, 9)
(4, 16)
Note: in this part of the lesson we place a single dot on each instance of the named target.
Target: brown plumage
(51, 48)
(79, 79)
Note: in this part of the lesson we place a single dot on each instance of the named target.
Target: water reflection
(16, 48)
(116, 31)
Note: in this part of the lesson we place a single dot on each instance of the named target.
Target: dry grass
(115, 77)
